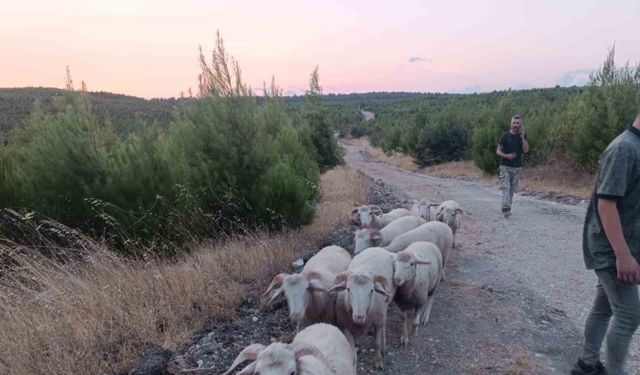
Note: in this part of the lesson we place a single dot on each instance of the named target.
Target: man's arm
(525, 145)
(628, 268)
(500, 153)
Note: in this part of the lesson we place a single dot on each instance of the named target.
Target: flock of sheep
(399, 256)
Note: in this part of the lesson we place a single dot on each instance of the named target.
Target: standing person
(512, 145)
(611, 247)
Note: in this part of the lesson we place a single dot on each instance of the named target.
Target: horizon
(150, 49)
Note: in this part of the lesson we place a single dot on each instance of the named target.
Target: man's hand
(628, 269)
(626, 264)
(510, 156)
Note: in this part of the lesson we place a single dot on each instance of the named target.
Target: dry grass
(397, 159)
(556, 176)
(100, 316)
(466, 168)
(559, 177)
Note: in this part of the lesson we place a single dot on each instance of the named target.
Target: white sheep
(418, 270)
(449, 212)
(434, 231)
(365, 291)
(371, 216)
(369, 237)
(422, 208)
(320, 349)
(307, 292)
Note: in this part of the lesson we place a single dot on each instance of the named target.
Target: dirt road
(517, 292)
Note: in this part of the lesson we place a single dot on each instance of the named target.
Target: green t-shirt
(618, 178)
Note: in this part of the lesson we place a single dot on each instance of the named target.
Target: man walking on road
(512, 145)
(611, 247)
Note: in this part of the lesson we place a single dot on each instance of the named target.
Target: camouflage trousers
(509, 177)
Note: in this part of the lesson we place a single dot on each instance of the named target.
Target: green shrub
(445, 140)
(603, 110)
(225, 165)
(327, 152)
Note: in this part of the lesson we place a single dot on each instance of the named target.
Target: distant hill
(17, 103)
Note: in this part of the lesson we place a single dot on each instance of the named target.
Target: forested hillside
(153, 175)
(569, 124)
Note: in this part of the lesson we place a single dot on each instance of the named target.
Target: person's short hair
(516, 117)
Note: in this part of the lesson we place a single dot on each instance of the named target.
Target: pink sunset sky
(150, 48)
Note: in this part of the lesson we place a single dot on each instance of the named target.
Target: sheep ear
(276, 295)
(249, 370)
(380, 280)
(422, 262)
(300, 349)
(249, 353)
(375, 209)
(340, 282)
(459, 211)
(380, 284)
(275, 283)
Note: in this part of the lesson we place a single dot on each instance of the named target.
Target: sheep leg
(404, 339)
(427, 311)
(416, 318)
(384, 339)
(351, 341)
(378, 361)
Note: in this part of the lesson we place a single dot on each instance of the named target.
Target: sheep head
(405, 265)
(297, 289)
(365, 238)
(360, 288)
(275, 359)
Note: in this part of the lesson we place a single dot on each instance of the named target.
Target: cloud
(575, 78)
(418, 59)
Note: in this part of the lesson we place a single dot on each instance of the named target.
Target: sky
(149, 48)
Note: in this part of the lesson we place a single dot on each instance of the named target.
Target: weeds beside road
(101, 315)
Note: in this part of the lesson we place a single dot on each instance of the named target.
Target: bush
(327, 152)
(602, 112)
(225, 165)
(442, 141)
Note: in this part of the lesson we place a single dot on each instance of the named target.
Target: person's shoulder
(625, 142)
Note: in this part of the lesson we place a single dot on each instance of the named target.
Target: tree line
(221, 163)
(572, 124)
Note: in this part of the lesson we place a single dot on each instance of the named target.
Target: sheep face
(424, 208)
(404, 269)
(297, 292)
(297, 289)
(405, 265)
(360, 289)
(448, 214)
(365, 215)
(365, 238)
